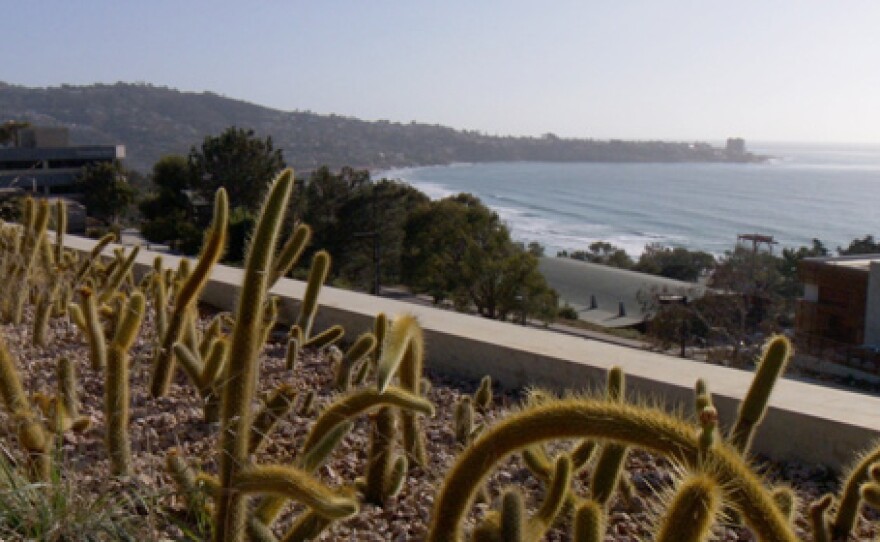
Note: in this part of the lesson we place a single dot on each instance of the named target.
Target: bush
(568, 312)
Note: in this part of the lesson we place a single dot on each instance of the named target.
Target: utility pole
(377, 247)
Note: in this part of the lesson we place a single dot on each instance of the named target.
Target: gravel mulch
(175, 421)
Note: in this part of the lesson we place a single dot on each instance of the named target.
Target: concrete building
(608, 296)
(838, 318)
(45, 162)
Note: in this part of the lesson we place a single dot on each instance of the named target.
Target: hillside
(153, 121)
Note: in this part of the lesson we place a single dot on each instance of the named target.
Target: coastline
(799, 194)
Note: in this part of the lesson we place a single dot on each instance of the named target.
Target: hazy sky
(763, 70)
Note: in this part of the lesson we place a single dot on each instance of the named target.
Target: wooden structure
(831, 318)
(757, 240)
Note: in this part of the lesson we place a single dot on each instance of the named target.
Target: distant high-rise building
(736, 145)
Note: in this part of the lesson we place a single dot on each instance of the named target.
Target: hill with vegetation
(153, 121)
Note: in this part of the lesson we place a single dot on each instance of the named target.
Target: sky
(800, 71)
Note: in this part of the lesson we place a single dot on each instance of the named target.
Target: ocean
(805, 191)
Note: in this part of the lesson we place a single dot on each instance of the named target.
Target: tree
(167, 212)
(371, 231)
(238, 161)
(601, 252)
(790, 287)
(753, 279)
(866, 245)
(456, 248)
(675, 263)
(105, 191)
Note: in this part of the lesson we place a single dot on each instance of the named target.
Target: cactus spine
(754, 405)
(187, 294)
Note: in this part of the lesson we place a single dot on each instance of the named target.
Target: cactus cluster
(109, 311)
(378, 383)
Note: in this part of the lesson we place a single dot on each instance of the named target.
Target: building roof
(577, 281)
(858, 262)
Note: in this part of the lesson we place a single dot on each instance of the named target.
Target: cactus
(589, 522)
(42, 313)
(753, 407)
(483, 395)
(93, 331)
(692, 511)
(377, 483)
(187, 482)
(308, 461)
(237, 476)
(67, 391)
(292, 354)
(187, 293)
(622, 423)
(850, 496)
(62, 410)
(511, 523)
(403, 355)
(270, 317)
(309, 308)
(33, 237)
(512, 517)
(121, 270)
(464, 420)
(205, 373)
(786, 499)
(361, 375)
(274, 408)
(819, 521)
(89, 263)
(609, 465)
(290, 253)
(358, 351)
(160, 301)
(360, 401)
(116, 390)
(326, 337)
(702, 397)
(37, 442)
(293, 484)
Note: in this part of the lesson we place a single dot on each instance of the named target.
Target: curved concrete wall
(806, 421)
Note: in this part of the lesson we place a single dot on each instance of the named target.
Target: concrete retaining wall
(805, 421)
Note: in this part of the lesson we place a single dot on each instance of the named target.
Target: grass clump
(57, 510)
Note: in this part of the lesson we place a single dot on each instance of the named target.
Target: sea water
(805, 191)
